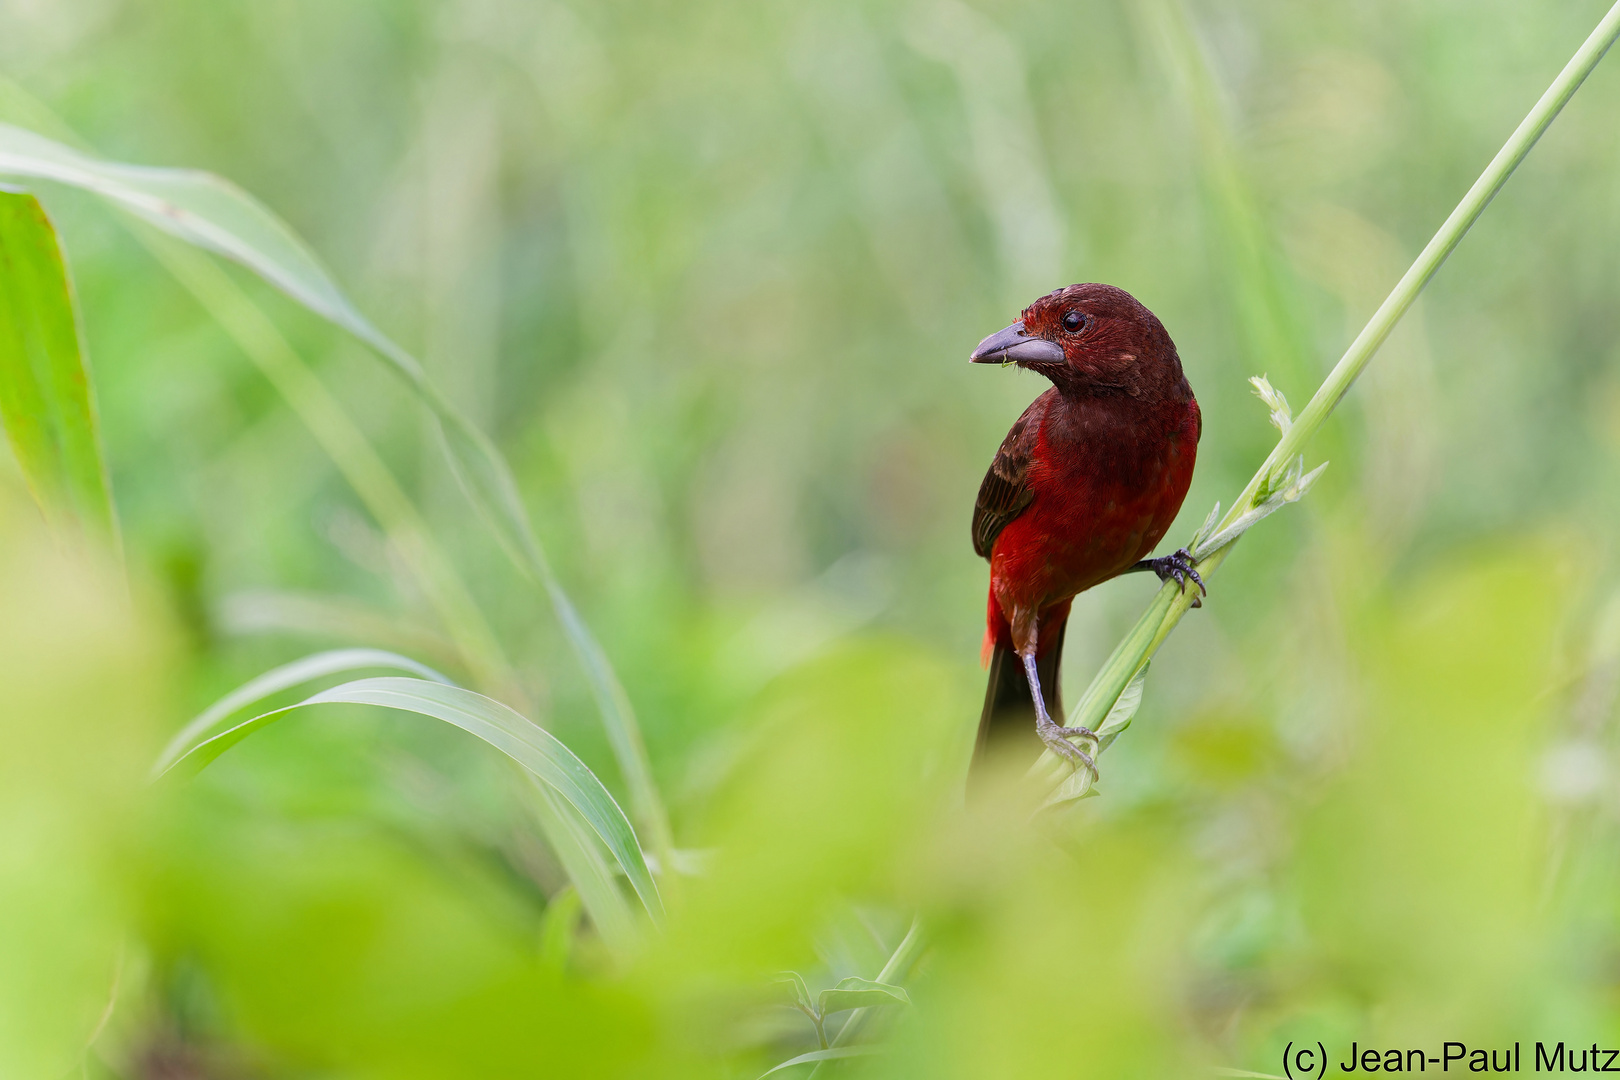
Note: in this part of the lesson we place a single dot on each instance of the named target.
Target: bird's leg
(1053, 734)
(1179, 566)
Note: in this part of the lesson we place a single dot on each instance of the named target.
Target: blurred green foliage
(708, 273)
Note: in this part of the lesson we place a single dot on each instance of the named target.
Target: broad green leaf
(530, 745)
(858, 993)
(46, 403)
(215, 214)
(814, 1056)
(796, 989)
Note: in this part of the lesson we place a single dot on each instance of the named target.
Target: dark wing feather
(1005, 491)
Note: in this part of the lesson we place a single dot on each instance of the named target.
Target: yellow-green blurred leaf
(857, 993)
(797, 992)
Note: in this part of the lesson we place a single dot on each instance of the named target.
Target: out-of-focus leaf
(46, 403)
(214, 214)
(793, 982)
(84, 669)
(530, 745)
(557, 928)
(857, 993)
(822, 1055)
(300, 671)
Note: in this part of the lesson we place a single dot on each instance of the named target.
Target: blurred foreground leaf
(46, 402)
(81, 679)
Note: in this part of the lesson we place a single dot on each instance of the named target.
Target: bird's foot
(1056, 737)
(1178, 565)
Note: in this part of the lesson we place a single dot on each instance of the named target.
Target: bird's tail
(1008, 719)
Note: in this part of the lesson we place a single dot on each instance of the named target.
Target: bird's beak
(1010, 346)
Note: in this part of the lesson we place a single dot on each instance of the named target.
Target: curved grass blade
(574, 843)
(524, 742)
(46, 403)
(817, 1056)
(214, 214)
(203, 209)
(300, 671)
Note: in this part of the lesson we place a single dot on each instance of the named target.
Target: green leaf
(530, 745)
(823, 1055)
(797, 990)
(46, 402)
(300, 671)
(858, 993)
(214, 214)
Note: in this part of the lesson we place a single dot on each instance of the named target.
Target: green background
(708, 273)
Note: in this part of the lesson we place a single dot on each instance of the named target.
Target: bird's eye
(1073, 321)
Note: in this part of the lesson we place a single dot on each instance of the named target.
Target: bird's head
(1088, 339)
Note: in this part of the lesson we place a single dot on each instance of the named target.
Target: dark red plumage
(1085, 484)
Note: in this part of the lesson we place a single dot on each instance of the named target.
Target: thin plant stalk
(1171, 602)
(905, 956)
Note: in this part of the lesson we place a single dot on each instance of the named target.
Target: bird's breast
(1106, 490)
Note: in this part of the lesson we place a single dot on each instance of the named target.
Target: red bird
(1085, 484)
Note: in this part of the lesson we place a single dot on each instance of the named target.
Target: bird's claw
(1178, 565)
(1056, 737)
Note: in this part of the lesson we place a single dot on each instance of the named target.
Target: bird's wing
(1005, 491)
